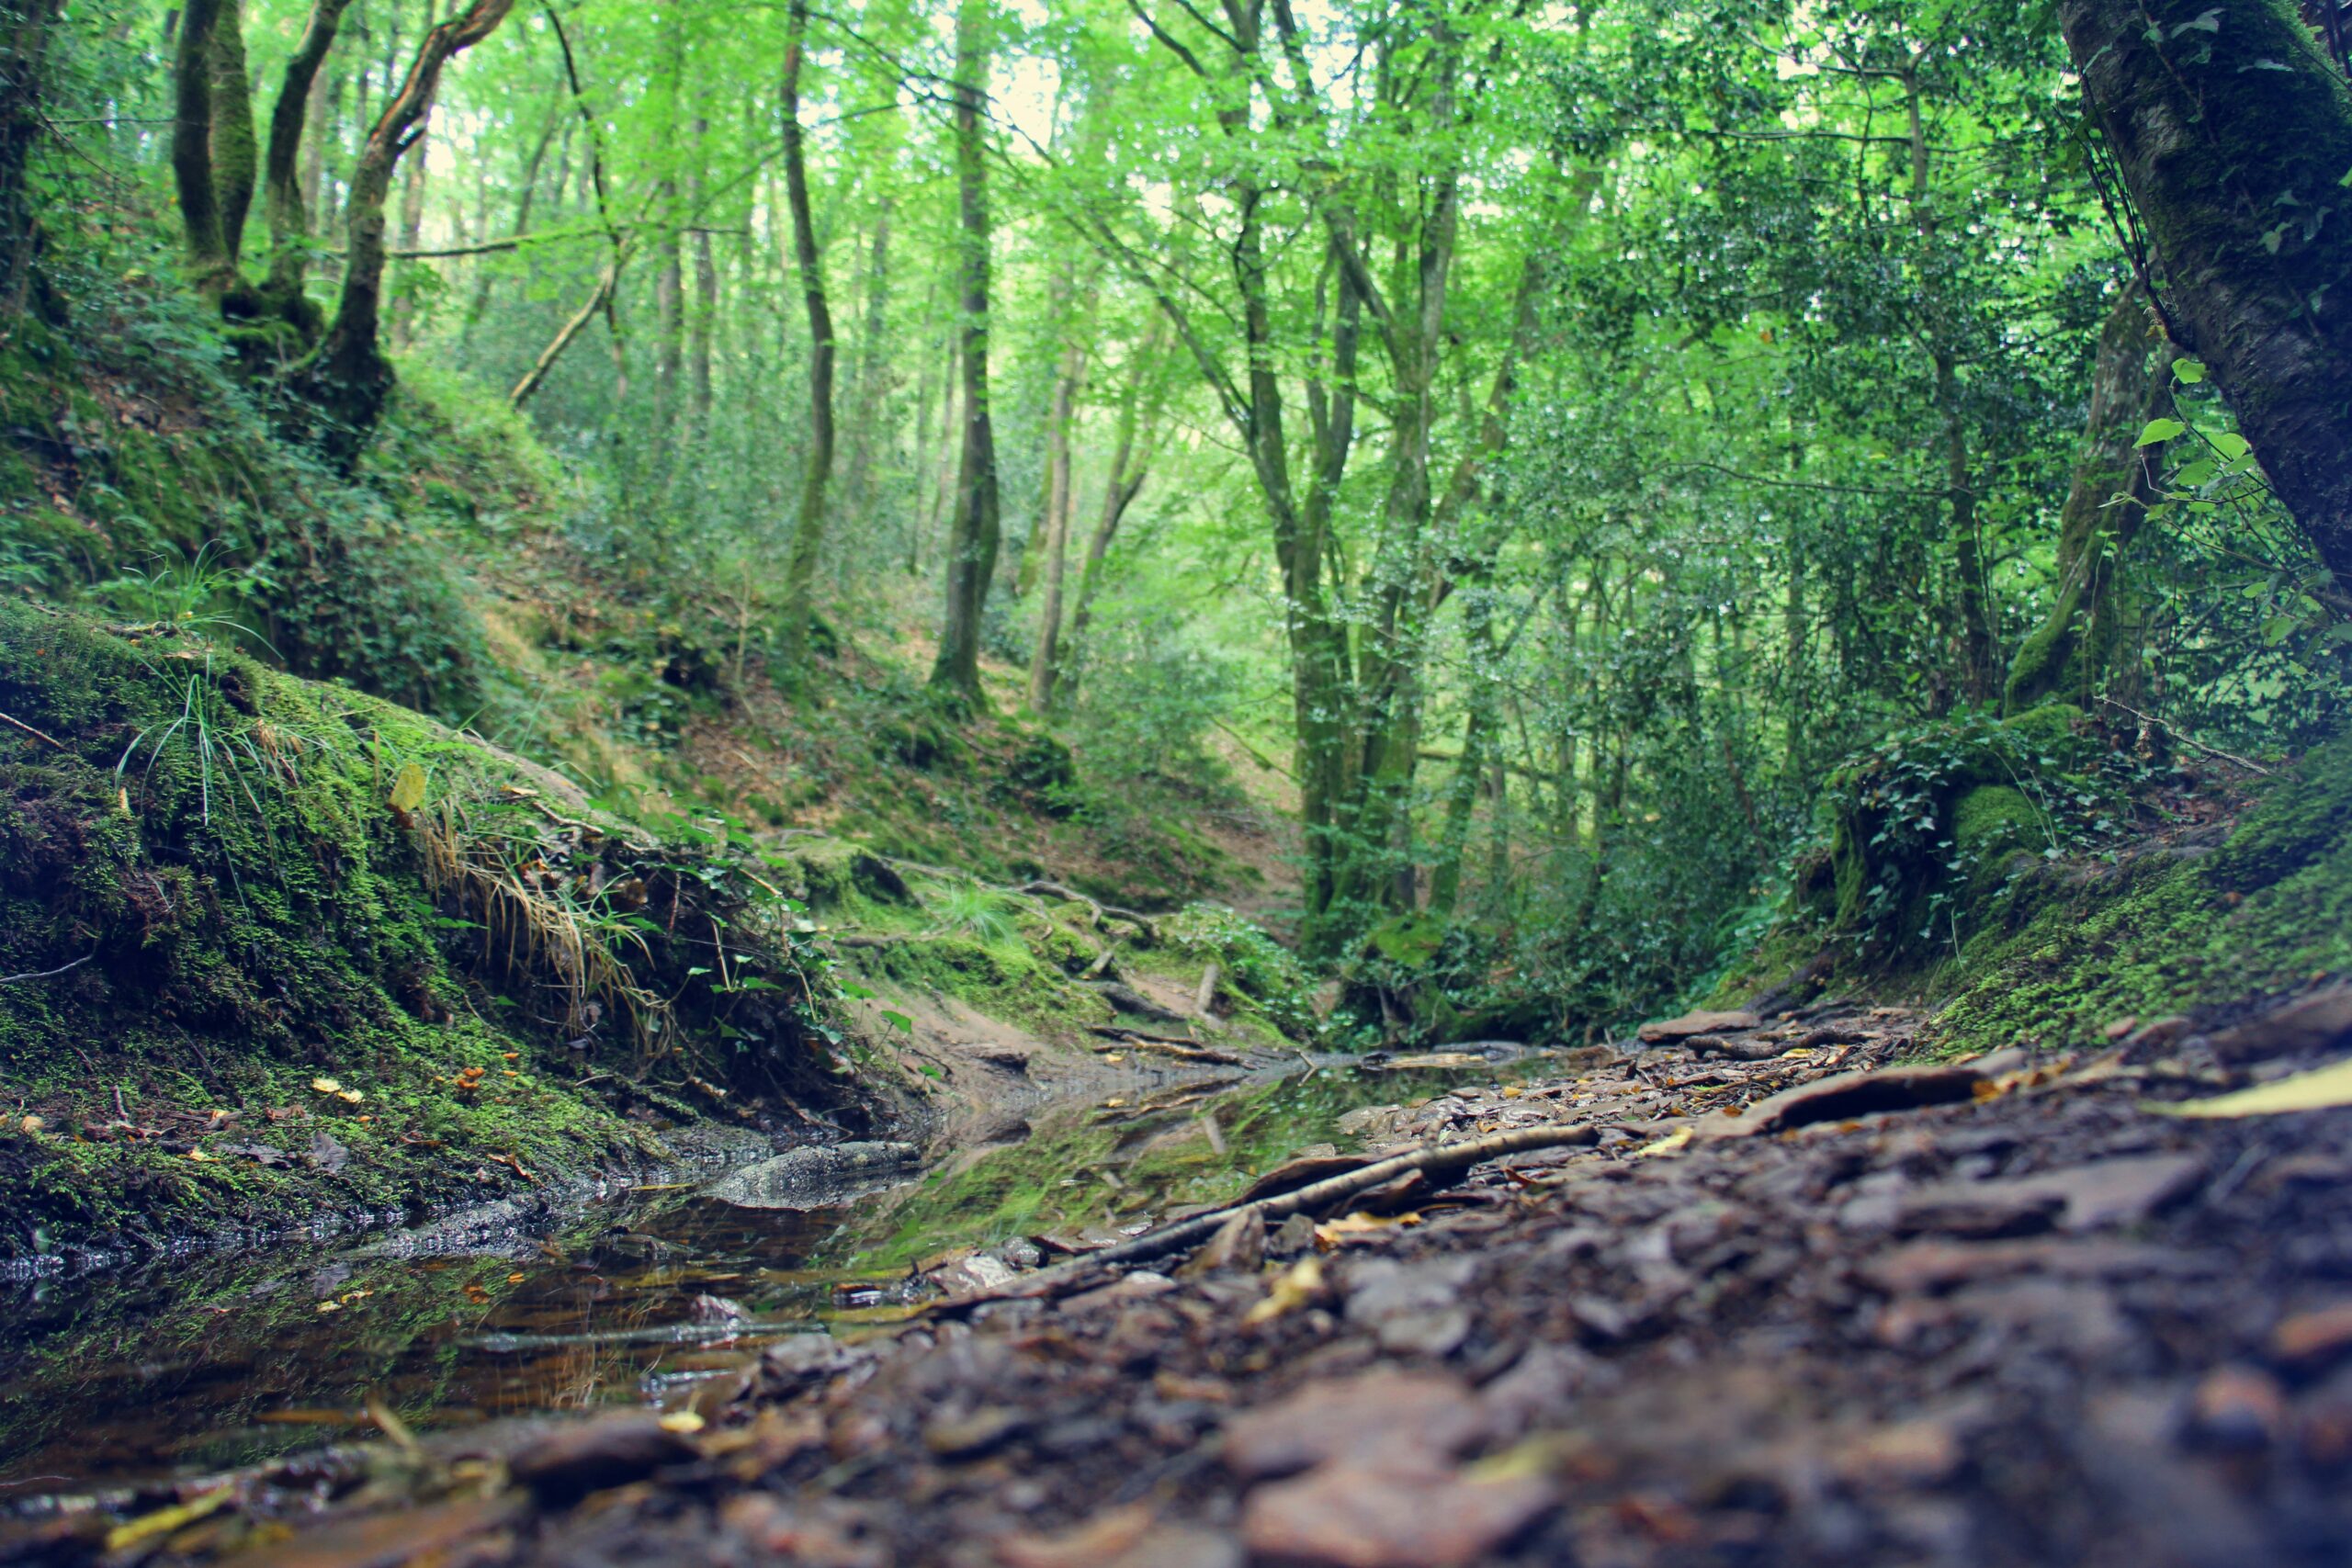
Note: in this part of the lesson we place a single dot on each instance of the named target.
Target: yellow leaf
(330, 1306)
(165, 1520)
(1299, 1285)
(684, 1422)
(353, 1095)
(407, 789)
(1673, 1142)
(326, 1085)
(199, 1156)
(2316, 1090)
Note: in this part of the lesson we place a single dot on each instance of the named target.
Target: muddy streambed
(188, 1365)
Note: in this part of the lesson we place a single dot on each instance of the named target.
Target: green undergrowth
(2172, 931)
(316, 951)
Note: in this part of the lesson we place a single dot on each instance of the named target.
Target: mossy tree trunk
(2232, 132)
(27, 28)
(1045, 663)
(347, 377)
(192, 82)
(285, 203)
(809, 525)
(972, 540)
(235, 152)
(2113, 481)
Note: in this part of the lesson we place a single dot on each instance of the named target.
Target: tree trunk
(285, 204)
(28, 26)
(809, 526)
(192, 76)
(2113, 481)
(2233, 133)
(972, 542)
(485, 280)
(873, 375)
(412, 213)
(706, 310)
(347, 377)
(1045, 662)
(669, 317)
(234, 155)
(1120, 488)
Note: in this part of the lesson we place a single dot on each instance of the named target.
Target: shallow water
(191, 1365)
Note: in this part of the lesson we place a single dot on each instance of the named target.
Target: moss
(2168, 934)
(207, 846)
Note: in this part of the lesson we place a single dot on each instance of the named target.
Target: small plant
(183, 594)
(989, 919)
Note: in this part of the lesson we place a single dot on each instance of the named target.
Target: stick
(28, 729)
(1207, 993)
(2208, 751)
(47, 973)
(1281, 1205)
(1185, 1049)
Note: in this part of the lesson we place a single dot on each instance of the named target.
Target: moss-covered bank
(278, 948)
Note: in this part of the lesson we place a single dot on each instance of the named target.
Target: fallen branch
(2208, 751)
(28, 729)
(49, 973)
(1181, 1048)
(1313, 1197)
(1071, 894)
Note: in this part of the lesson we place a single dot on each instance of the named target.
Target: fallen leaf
(408, 788)
(515, 1279)
(2316, 1090)
(165, 1520)
(327, 1085)
(1299, 1284)
(1673, 1142)
(683, 1422)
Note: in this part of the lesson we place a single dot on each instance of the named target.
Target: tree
(27, 26)
(347, 377)
(2231, 131)
(972, 539)
(808, 525)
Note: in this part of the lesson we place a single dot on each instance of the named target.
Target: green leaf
(2189, 371)
(856, 992)
(2160, 431)
(2231, 445)
(899, 1020)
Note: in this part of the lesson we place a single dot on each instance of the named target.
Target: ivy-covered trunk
(2113, 480)
(2233, 133)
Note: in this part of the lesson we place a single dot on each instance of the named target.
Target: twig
(47, 974)
(1183, 1049)
(2210, 750)
(28, 729)
(1314, 1196)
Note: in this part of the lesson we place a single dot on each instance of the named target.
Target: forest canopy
(1571, 454)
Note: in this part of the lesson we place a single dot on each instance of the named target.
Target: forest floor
(1785, 1303)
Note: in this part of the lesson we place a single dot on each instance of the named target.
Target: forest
(1163, 782)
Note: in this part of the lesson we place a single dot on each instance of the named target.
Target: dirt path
(1992, 1314)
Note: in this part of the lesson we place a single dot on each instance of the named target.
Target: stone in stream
(815, 1177)
(1691, 1023)
(575, 1459)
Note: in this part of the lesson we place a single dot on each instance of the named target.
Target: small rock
(1238, 1244)
(1922, 1452)
(1412, 1308)
(719, 1309)
(1692, 1023)
(2310, 1341)
(327, 1154)
(1139, 1286)
(970, 1435)
(1381, 1414)
(1122, 1538)
(2235, 1410)
(608, 1450)
(1293, 1237)
(1349, 1515)
(2306, 1023)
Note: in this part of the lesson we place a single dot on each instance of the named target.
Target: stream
(179, 1366)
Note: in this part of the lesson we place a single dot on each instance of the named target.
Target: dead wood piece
(1127, 999)
(1739, 1049)
(1313, 1198)
(1183, 1049)
(1142, 922)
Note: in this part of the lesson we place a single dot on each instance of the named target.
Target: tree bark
(233, 147)
(1044, 661)
(347, 376)
(28, 28)
(192, 75)
(2232, 131)
(2113, 481)
(412, 213)
(809, 525)
(1120, 488)
(285, 203)
(972, 542)
(704, 319)
(872, 376)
